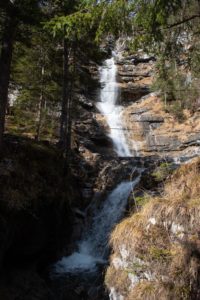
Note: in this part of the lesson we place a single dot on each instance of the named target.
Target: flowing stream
(92, 249)
(110, 109)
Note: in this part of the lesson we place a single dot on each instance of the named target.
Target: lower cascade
(92, 249)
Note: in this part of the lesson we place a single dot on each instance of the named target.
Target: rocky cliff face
(156, 131)
(153, 133)
(149, 127)
(156, 251)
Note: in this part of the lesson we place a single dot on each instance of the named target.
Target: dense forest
(44, 44)
(99, 121)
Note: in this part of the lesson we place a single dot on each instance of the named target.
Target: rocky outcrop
(156, 131)
(157, 251)
(135, 76)
(149, 127)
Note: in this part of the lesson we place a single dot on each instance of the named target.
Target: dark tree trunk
(70, 106)
(65, 99)
(41, 106)
(69, 126)
(5, 66)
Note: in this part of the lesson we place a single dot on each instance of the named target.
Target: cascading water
(92, 249)
(109, 108)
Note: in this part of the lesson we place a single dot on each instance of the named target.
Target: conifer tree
(15, 13)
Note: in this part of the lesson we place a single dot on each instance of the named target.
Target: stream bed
(81, 274)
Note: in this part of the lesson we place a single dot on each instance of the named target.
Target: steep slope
(152, 126)
(157, 250)
(36, 217)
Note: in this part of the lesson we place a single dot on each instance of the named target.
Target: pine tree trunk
(40, 107)
(70, 103)
(69, 126)
(39, 118)
(5, 66)
(65, 99)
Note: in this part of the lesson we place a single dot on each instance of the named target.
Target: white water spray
(92, 249)
(109, 108)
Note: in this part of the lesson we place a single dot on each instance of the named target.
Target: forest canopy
(46, 41)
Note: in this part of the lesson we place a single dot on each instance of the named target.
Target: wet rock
(100, 139)
(92, 135)
(85, 102)
(87, 193)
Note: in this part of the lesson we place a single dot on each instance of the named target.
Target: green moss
(162, 171)
(141, 200)
(136, 268)
(176, 109)
(159, 254)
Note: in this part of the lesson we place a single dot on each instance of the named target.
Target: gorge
(116, 170)
(99, 150)
(91, 251)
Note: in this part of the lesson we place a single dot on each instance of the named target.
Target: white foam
(92, 249)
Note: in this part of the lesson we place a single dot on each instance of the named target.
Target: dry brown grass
(118, 279)
(157, 291)
(171, 127)
(164, 235)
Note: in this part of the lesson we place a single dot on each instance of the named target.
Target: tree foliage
(96, 19)
(36, 72)
(168, 29)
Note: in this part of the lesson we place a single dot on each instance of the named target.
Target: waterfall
(109, 108)
(92, 249)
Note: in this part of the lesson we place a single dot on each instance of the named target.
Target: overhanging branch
(183, 21)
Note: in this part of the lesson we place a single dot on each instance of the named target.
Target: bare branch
(183, 21)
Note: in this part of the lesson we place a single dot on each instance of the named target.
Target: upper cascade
(109, 108)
